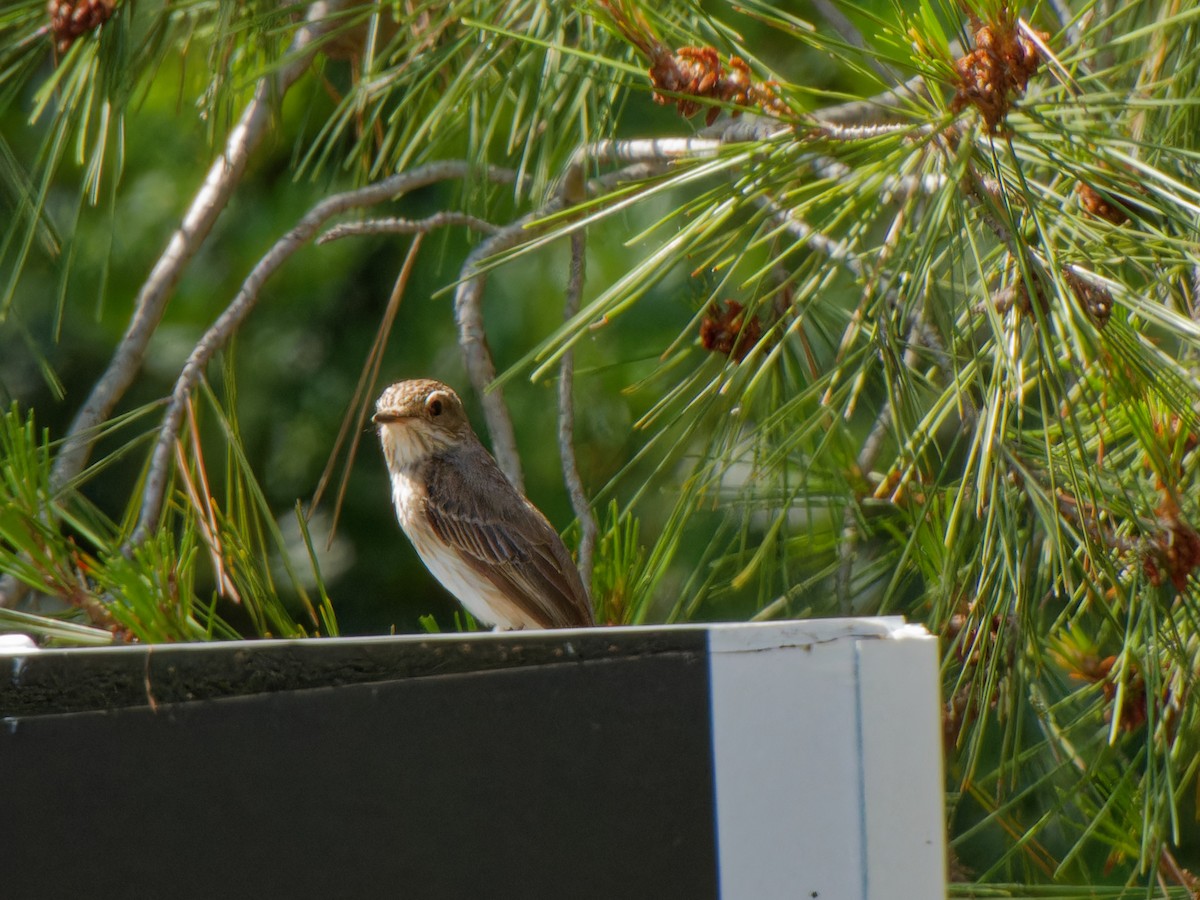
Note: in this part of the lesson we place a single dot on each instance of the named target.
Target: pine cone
(70, 19)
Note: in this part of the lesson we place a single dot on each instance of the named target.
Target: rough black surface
(532, 766)
(56, 681)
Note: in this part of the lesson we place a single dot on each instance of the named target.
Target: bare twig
(747, 129)
(407, 226)
(864, 463)
(231, 318)
(917, 334)
(472, 341)
(843, 254)
(208, 203)
(839, 252)
(834, 131)
(566, 419)
(627, 152)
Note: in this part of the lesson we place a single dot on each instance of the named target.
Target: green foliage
(60, 544)
(619, 568)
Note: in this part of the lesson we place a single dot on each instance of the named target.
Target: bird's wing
(472, 507)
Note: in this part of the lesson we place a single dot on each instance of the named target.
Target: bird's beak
(382, 418)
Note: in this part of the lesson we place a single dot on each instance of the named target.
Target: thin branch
(834, 131)
(224, 327)
(206, 206)
(841, 251)
(842, 254)
(838, 252)
(407, 226)
(472, 341)
(566, 419)
(886, 420)
(629, 152)
(747, 129)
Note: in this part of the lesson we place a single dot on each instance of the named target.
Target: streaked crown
(419, 417)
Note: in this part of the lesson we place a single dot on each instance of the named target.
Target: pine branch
(229, 321)
(566, 419)
(214, 194)
(207, 205)
(407, 226)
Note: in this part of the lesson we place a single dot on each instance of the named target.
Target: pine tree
(901, 304)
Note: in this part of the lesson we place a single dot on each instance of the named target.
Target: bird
(476, 533)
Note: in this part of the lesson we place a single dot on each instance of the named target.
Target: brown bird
(487, 545)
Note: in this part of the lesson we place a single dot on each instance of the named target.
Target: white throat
(404, 445)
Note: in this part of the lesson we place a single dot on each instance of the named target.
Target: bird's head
(419, 417)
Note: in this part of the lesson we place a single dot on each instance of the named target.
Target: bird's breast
(408, 496)
(483, 599)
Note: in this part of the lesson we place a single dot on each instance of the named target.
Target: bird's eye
(434, 406)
